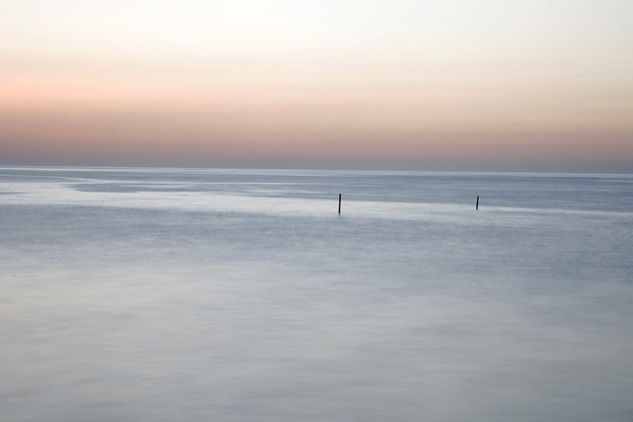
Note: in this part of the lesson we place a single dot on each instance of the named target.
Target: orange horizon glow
(277, 86)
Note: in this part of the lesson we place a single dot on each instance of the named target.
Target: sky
(431, 85)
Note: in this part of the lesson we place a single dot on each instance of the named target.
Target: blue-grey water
(241, 295)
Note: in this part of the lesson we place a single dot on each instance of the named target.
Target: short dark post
(477, 204)
(339, 204)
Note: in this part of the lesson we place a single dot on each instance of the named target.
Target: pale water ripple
(241, 295)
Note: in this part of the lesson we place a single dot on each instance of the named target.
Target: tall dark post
(477, 204)
(339, 204)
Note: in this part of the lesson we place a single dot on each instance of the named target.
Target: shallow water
(241, 295)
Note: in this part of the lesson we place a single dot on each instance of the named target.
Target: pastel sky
(452, 84)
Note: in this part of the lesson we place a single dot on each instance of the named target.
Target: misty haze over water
(238, 295)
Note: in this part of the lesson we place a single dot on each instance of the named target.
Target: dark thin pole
(339, 204)
(477, 204)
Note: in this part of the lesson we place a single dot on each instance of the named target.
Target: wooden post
(477, 204)
(339, 204)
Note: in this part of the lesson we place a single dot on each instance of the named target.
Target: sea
(165, 294)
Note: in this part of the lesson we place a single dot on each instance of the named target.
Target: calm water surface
(241, 295)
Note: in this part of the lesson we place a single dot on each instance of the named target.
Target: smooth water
(241, 295)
